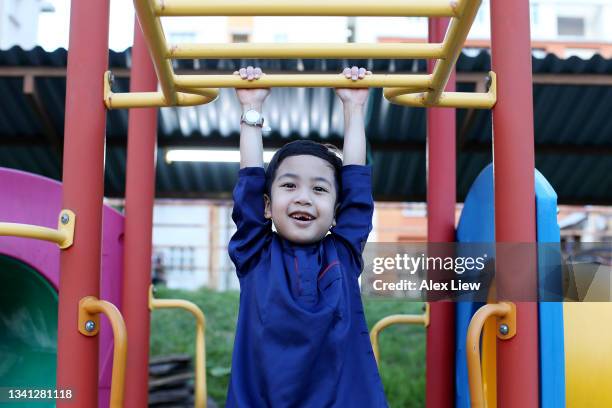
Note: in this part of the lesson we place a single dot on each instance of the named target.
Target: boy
(302, 338)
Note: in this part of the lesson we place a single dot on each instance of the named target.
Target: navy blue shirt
(302, 338)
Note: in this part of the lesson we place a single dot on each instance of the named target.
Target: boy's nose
(303, 198)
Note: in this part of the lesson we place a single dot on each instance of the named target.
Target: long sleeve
(253, 230)
(354, 217)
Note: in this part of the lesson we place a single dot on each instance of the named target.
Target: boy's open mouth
(301, 216)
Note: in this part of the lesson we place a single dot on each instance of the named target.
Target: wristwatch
(252, 118)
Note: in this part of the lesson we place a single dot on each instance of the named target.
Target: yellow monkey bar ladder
(420, 90)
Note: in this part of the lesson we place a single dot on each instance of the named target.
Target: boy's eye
(288, 185)
(320, 189)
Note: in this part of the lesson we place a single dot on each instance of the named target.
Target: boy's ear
(335, 214)
(268, 207)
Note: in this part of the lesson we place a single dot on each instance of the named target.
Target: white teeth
(302, 217)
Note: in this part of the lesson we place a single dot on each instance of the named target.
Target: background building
(562, 27)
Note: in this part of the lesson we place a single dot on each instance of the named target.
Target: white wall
(177, 225)
(186, 224)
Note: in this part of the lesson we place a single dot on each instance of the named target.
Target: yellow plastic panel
(588, 354)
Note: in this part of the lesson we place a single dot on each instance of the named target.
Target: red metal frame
(514, 163)
(139, 197)
(83, 188)
(441, 200)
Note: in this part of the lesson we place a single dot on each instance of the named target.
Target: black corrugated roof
(573, 126)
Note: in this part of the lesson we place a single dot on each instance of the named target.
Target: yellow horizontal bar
(200, 369)
(302, 80)
(398, 8)
(152, 100)
(306, 50)
(31, 231)
(62, 236)
(447, 100)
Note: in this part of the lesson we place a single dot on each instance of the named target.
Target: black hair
(327, 152)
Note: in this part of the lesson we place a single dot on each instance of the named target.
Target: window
(240, 38)
(280, 37)
(182, 37)
(570, 26)
(534, 9)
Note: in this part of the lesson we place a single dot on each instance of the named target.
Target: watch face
(252, 116)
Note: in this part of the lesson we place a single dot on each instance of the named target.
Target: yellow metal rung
(304, 80)
(388, 8)
(306, 50)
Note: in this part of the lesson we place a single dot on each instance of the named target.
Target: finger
(249, 71)
(362, 72)
(235, 72)
(243, 73)
(257, 72)
(368, 72)
(347, 72)
(354, 73)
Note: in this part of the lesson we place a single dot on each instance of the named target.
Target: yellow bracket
(421, 90)
(89, 324)
(395, 319)
(473, 100)
(506, 325)
(63, 236)
(153, 99)
(200, 369)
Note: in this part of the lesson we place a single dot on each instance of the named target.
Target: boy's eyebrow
(291, 175)
(321, 179)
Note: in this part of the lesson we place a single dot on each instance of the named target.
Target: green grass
(402, 348)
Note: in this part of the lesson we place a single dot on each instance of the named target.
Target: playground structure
(532, 366)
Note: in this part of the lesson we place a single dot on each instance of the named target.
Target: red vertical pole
(441, 196)
(139, 196)
(517, 366)
(83, 189)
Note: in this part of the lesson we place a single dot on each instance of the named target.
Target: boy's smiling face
(303, 199)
